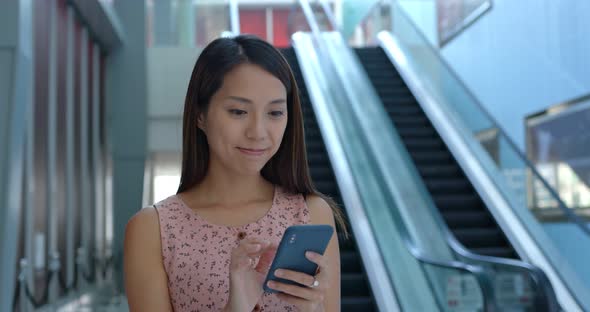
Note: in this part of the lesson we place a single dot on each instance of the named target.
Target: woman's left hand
(306, 298)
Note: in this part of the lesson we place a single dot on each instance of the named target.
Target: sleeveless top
(196, 253)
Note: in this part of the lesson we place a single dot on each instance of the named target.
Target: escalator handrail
(383, 291)
(482, 279)
(573, 217)
(539, 277)
(478, 272)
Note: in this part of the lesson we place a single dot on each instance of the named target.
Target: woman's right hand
(246, 276)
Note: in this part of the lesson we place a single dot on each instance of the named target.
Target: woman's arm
(145, 279)
(321, 213)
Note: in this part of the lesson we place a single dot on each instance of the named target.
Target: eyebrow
(248, 101)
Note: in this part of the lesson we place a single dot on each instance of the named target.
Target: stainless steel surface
(462, 150)
(316, 85)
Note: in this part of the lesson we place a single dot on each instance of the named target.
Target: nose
(256, 129)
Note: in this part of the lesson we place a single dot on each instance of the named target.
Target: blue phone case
(290, 255)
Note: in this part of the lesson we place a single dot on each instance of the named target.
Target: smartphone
(290, 255)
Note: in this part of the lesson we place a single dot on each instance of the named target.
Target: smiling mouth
(254, 152)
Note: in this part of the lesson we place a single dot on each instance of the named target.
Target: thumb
(266, 259)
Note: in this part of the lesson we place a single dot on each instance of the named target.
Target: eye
(277, 113)
(237, 112)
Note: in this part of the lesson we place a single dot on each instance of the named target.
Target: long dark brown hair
(288, 167)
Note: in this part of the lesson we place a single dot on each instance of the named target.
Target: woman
(244, 180)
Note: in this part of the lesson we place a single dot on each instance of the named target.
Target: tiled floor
(102, 304)
(104, 299)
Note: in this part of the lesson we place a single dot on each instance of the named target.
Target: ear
(201, 122)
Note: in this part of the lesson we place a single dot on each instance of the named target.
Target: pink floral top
(196, 254)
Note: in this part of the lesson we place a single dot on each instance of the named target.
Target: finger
(298, 302)
(247, 251)
(316, 258)
(252, 247)
(266, 258)
(306, 293)
(259, 249)
(299, 277)
(252, 240)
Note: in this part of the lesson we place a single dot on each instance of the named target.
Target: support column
(126, 116)
(16, 78)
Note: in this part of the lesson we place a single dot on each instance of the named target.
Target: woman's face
(246, 120)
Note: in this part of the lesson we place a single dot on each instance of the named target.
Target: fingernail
(270, 284)
(310, 254)
(278, 272)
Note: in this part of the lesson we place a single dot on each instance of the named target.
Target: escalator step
(353, 285)
(350, 262)
(346, 244)
(357, 304)
(414, 121)
(318, 159)
(467, 219)
(431, 157)
(321, 174)
(315, 146)
(447, 202)
(440, 171)
(391, 82)
(329, 188)
(404, 110)
(408, 132)
(448, 186)
(312, 132)
(402, 101)
(502, 252)
(310, 127)
(480, 237)
(392, 91)
(391, 74)
(387, 76)
(424, 144)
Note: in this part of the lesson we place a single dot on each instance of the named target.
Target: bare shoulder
(144, 224)
(319, 210)
(142, 236)
(145, 277)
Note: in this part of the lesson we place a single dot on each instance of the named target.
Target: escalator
(459, 204)
(355, 289)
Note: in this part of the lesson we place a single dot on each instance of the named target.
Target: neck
(220, 187)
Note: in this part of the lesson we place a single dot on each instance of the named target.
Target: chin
(249, 171)
(248, 168)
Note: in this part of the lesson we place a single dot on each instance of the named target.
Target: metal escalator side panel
(469, 220)
(401, 196)
(473, 161)
(325, 106)
(356, 293)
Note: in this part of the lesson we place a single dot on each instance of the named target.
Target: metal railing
(547, 297)
(478, 272)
